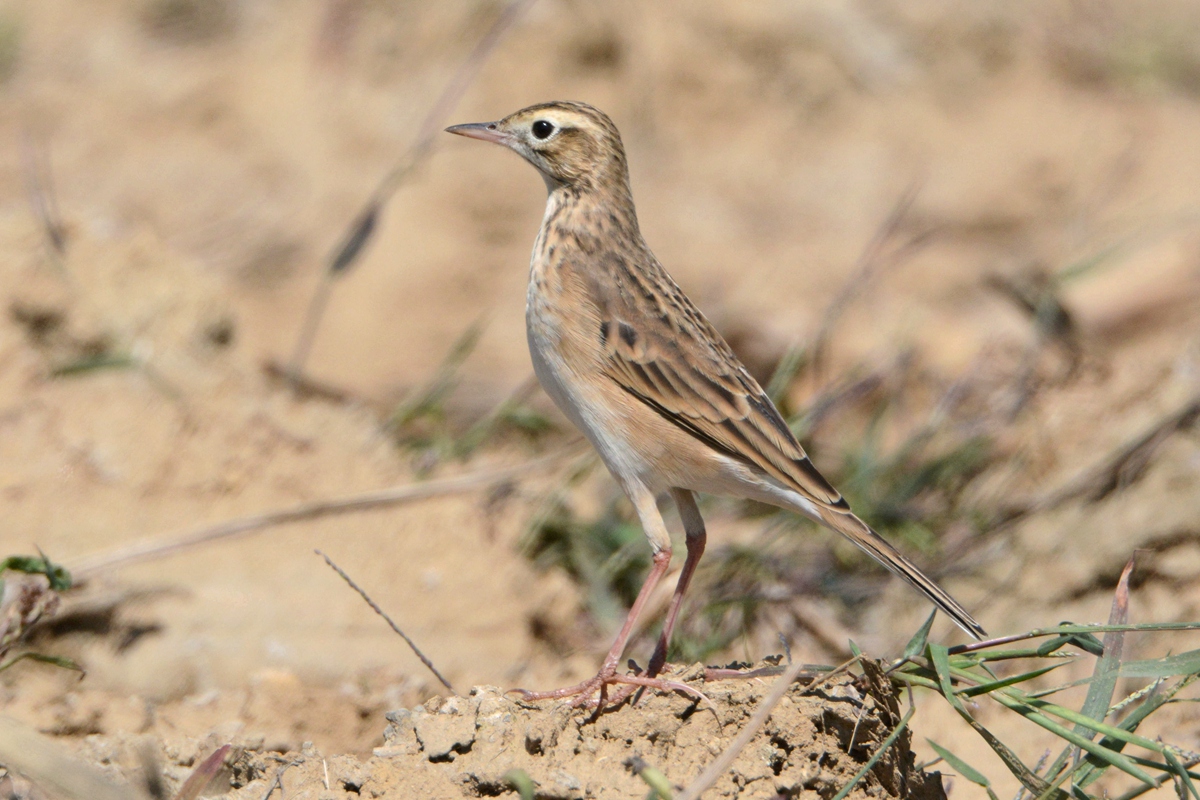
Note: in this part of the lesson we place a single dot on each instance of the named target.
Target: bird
(635, 365)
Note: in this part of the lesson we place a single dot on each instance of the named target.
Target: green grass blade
(914, 679)
(1104, 677)
(1185, 663)
(92, 363)
(1155, 702)
(1089, 773)
(429, 398)
(991, 686)
(917, 643)
(1073, 628)
(660, 786)
(59, 578)
(957, 673)
(1103, 681)
(1051, 645)
(960, 766)
(1062, 687)
(1183, 774)
(58, 661)
(1166, 768)
(1179, 665)
(1111, 757)
(1088, 643)
(519, 779)
(789, 366)
(1137, 697)
(1138, 791)
(1060, 774)
(1013, 698)
(939, 656)
(1089, 263)
(988, 656)
(1093, 725)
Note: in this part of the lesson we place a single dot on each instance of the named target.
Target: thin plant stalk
(365, 223)
(229, 529)
(396, 628)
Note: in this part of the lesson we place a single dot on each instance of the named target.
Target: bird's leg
(608, 669)
(660, 541)
(693, 526)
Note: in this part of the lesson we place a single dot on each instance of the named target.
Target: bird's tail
(861, 534)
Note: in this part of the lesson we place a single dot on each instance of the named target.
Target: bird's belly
(576, 396)
(550, 368)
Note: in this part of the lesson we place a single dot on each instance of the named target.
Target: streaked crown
(571, 144)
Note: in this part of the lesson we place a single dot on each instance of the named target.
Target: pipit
(634, 365)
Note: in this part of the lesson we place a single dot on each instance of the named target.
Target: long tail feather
(861, 534)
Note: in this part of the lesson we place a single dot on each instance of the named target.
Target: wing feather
(695, 382)
(677, 364)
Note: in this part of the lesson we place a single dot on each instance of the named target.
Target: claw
(582, 692)
(663, 684)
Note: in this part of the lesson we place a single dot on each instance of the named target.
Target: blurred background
(958, 241)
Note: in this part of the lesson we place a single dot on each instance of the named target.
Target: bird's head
(571, 144)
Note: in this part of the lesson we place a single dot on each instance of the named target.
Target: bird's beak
(486, 131)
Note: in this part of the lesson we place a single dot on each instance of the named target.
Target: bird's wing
(692, 378)
(682, 368)
(675, 362)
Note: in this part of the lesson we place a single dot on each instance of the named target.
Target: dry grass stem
(276, 782)
(203, 774)
(366, 221)
(39, 183)
(47, 764)
(303, 386)
(293, 371)
(375, 607)
(1126, 464)
(870, 262)
(230, 529)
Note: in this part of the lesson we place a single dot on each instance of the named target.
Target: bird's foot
(635, 690)
(593, 693)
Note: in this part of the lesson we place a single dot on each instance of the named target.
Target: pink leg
(608, 669)
(659, 538)
(693, 525)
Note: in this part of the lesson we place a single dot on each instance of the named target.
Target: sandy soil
(814, 743)
(205, 162)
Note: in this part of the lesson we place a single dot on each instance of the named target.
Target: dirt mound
(814, 743)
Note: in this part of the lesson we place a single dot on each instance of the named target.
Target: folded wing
(697, 383)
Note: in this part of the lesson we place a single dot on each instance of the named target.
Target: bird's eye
(542, 129)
